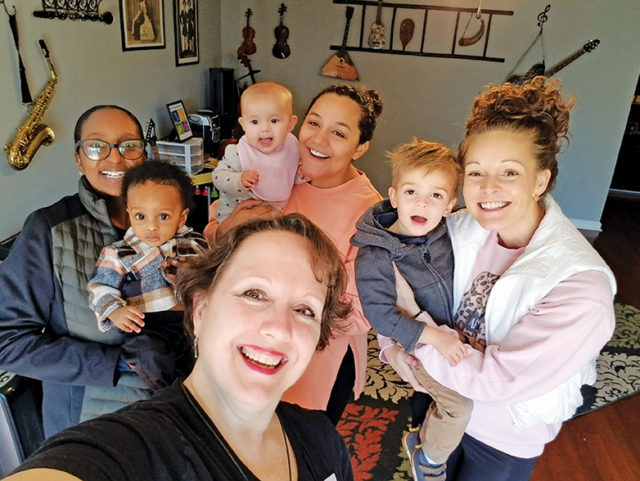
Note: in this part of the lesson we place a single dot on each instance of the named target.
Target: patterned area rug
(618, 363)
(373, 425)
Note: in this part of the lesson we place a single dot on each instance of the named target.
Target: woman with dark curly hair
(335, 132)
(527, 285)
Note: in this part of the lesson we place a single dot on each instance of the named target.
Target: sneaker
(411, 440)
(422, 470)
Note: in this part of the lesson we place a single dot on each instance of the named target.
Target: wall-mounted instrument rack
(458, 44)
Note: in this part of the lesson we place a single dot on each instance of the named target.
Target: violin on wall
(281, 48)
(248, 47)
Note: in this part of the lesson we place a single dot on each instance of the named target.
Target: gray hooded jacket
(425, 262)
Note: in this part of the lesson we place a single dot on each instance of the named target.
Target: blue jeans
(473, 460)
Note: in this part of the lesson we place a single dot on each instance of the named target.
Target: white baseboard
(587, 224)
(624, 193)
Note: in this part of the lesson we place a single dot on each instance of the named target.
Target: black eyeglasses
(97, 150)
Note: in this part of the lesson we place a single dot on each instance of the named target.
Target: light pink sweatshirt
(335, 210)
(556, 338)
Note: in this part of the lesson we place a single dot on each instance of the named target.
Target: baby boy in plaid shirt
(132, 287)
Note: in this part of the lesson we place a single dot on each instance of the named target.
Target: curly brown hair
(368, 100)
(201, 276)
(161, 173)
(535, 108)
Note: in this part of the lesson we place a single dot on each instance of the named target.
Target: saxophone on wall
(32, 133)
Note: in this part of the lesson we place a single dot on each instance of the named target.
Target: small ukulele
(248, 34)
(281, 48)
(376, 36)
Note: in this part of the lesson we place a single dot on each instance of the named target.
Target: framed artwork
(142, 24)
(179, 120)
(185, 21)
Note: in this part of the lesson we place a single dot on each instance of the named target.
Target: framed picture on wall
(142, 24)
(185, 21)
(179, 120)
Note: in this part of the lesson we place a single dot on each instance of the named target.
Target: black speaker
(223, 95)
(21, 430)
(223, 98)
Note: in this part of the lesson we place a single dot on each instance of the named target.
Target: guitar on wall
(340, 65)
(539, 68)
(281, 48)
(376, 35)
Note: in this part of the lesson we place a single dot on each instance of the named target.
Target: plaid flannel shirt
(129, 272)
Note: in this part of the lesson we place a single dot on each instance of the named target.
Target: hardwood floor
(603, 445)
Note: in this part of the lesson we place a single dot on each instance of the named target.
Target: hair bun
(376, 101)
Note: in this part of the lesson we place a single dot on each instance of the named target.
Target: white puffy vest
(556, 251)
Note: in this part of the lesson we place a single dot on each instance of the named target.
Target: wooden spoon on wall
(406, 32)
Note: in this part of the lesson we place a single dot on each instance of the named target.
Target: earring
(536, 197)
(195, 347)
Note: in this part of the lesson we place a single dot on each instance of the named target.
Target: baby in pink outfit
(264, 163)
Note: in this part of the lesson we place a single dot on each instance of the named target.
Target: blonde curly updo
(536, 108)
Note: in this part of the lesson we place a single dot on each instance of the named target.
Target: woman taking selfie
(257, 306)
(335, 132)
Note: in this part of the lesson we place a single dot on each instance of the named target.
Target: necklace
(286, 448)
(207, 421)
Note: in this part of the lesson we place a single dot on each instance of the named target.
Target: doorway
(626, 176)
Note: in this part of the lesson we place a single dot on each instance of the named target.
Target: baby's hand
(249, 178)
(128, 319)
(448, 344)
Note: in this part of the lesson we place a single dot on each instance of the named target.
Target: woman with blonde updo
(527, 285)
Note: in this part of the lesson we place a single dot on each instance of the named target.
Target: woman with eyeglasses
(47, 330)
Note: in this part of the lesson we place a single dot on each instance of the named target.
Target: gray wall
(430, 97)
(92, 69)
(425, 97)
